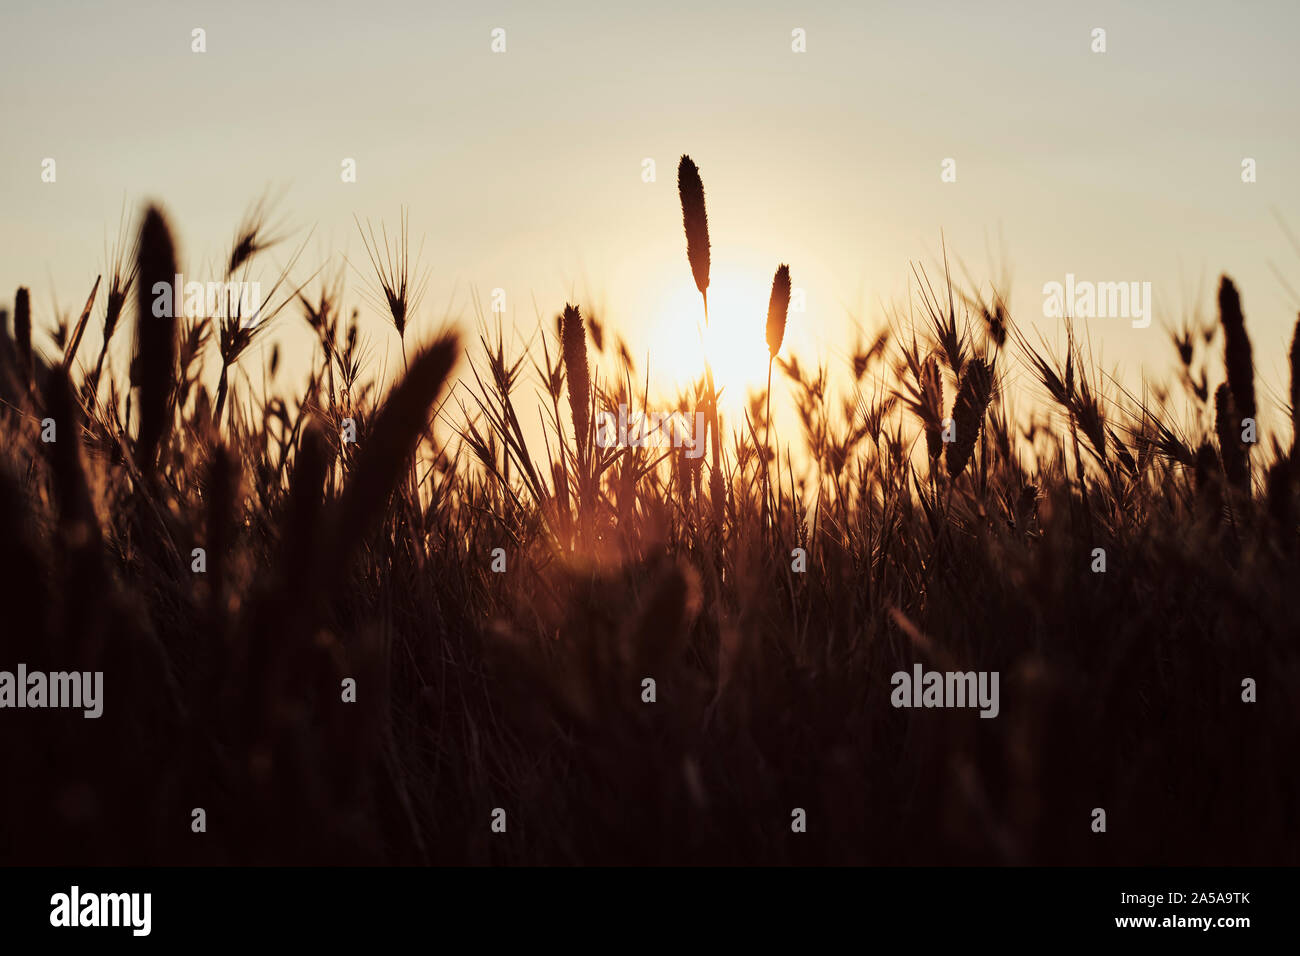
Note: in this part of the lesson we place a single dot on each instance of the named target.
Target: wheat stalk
(695, 221)
(155, 336)
(778, 307)
(574, 336)
(972, 401)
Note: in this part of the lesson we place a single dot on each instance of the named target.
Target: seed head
(695, 220)
(777, 308)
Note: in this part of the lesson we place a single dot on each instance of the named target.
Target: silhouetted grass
(525, 689)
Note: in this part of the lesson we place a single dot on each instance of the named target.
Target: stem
(767, 430)
(716, 423)
(221, 396)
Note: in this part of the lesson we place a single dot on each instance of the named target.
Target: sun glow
(735, 340)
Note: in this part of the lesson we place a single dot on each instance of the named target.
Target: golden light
(735, 341)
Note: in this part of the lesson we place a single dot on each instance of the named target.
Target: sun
(734, 342)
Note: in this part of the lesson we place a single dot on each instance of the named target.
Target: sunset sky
(523, 170)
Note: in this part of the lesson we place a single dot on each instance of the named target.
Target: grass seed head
(777, 308)
(575, 366)
(155, 335)
(1236, 350)
(972, 401)
(695, 220)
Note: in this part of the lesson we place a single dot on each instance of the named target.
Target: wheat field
(413, 621)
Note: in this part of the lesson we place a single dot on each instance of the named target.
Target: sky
(523, 170)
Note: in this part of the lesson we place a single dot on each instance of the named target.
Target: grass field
(941, 502)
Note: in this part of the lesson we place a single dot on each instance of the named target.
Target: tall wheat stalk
(1238, 361)
(573, 335)
(155, 336)
(695, 221)
(778, 308)
(23, 336)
